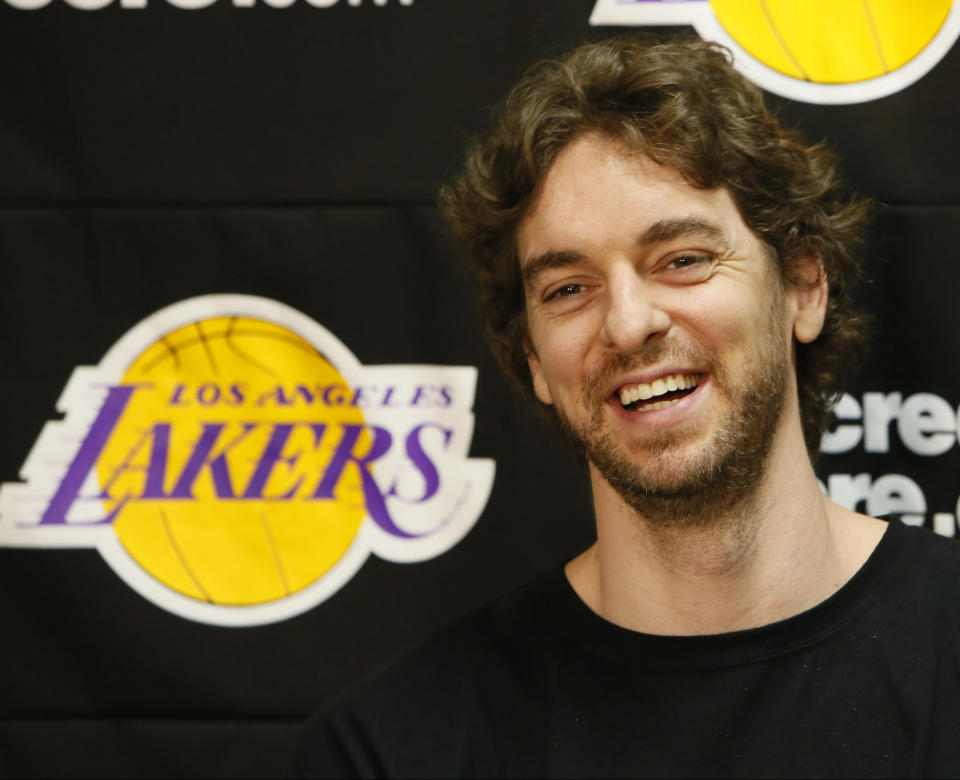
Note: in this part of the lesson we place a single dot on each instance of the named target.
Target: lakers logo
(819, 51)
(234, 462)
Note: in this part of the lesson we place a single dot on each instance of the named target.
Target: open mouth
(659, 394)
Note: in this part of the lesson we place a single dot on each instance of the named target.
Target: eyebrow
(549, 260)
(682, 227)
(658, 233)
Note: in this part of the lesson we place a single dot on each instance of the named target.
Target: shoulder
(923, 578)
(440, 708)
(934, 563)
(932, 554)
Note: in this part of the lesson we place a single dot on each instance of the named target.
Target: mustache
(616, 363)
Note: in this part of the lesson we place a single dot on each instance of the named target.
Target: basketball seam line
(180, 557)
(276, 554)
(782, 42)
(206, 347)
(310, 349)
(243, 355)
(875, 35)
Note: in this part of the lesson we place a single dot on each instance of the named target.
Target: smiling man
(667, 270)
(662, 333)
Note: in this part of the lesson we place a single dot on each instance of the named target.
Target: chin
(664, 468)
(681, 480)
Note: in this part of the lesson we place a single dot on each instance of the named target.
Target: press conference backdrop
(254, 446)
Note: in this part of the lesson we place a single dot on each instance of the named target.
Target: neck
(773, 554)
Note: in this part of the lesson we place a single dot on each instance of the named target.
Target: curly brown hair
(682, 104)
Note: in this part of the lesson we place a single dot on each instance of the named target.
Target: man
(669, 270)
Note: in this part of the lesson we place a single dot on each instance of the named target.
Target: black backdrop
(150, 155)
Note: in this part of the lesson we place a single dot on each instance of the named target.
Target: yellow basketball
(239, 378)
(832, 41)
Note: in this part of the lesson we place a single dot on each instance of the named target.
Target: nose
(633, 316)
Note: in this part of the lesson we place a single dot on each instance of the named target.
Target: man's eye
(685, 261)
(564, 291)
(691, 267)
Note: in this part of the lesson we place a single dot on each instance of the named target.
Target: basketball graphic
(235, 464)
(818, 51)
(832, 41)
(225, 375)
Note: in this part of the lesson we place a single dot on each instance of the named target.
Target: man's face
(659, 328)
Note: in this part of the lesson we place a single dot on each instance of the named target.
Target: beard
(673, 487)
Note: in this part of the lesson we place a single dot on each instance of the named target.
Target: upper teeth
(660, 386)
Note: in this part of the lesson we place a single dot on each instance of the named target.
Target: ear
(811, 292)
(540, 387)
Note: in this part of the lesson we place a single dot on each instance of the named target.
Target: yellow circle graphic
(832, 41)
(214, 465)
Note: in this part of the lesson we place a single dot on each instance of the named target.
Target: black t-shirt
(866, 684)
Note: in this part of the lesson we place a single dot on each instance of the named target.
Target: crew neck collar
(583, 626)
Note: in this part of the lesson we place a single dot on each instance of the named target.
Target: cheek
(728, 314)
(712, 325)
(558, 361)
(561, 355)
(727, 336)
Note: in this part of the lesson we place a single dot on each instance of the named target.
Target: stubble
(673, 487)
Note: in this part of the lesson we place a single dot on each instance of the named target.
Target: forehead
(598, 195)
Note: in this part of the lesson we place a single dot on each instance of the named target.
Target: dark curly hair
(682, 104)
